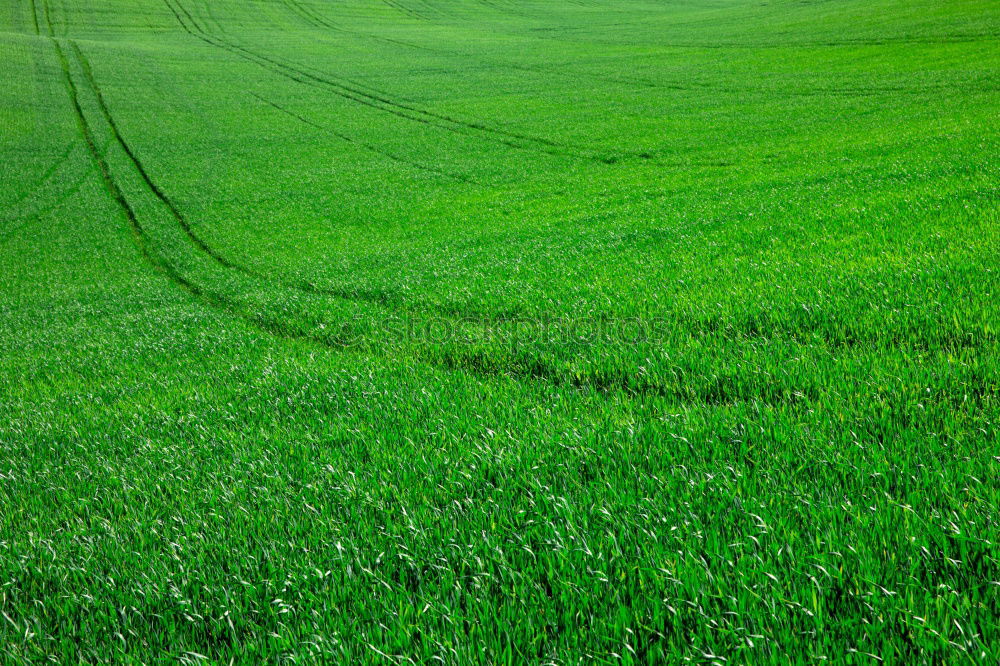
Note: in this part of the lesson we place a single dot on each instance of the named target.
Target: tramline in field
(506, 331)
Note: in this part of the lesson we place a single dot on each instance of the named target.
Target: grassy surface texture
(500, 331)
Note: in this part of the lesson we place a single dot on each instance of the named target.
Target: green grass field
(500, 331)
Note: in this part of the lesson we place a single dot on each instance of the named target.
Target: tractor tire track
(107, 178)
(386, 104)
(538, 69)
(475, 363)
(300, 76)
(141, 170)
(310, 16)
(367, 146)
(145, 244)
(175, 212)
(34, 18)
(313, 19)
(405, 10)
(322, 23)
(199, 243)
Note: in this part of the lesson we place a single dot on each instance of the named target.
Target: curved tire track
(146, 245)
(468, 361)
(380, 101)
(367, 146)
(174, 210)
(473, 362)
